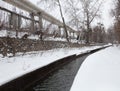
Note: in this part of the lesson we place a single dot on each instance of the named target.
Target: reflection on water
(60, 80)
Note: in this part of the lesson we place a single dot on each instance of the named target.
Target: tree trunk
(64, 25)
(88, 28)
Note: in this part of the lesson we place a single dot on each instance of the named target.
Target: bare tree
(116, 14)
(82, 13)
(98, 33)
(58, 3)
(73, 10)
(90, 11)
(111, 36)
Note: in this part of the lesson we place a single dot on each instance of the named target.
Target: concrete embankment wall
(25, 81)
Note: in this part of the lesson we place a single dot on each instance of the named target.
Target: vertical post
(79, 36)
(32, 22)
(40, 21)
(16, 25)
(19, 22)
(10, 21)
(73, 35)
(64, 33)
(14, 22)
(40, 24)
(70, 35)
(59, 30)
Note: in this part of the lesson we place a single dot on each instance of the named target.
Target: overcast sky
(107, 19)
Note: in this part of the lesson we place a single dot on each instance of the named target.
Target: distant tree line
(116, 15)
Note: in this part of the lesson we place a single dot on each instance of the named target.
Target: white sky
(107, 19)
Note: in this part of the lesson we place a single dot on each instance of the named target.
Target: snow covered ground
(14, 67)
(99, 72)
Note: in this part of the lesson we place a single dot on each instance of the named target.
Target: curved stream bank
(59, 80)
(68, 65)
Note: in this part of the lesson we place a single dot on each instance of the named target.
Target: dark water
(60, 80)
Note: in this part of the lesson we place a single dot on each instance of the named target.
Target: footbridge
(26, 5)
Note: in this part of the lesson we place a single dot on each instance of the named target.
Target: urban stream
(59, 80)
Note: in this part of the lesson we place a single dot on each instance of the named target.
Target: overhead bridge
(31, 8)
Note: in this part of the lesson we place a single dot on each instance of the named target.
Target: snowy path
(99, 72)
(11, 68)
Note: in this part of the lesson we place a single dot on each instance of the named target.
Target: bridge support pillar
(70, 35)
(32, 22)
(59, 31)
(13, 23)
(19, 22)
(73, 34)
(40, 21)
(40, 25)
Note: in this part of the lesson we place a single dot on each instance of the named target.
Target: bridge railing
(33, 11)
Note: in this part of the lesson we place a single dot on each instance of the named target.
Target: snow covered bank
(99, 72)
(12, 68)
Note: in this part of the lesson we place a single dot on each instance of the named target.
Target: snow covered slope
(99, 72)
(11, 68)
